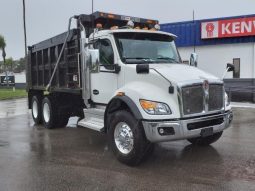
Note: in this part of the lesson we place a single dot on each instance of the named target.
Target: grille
(193, 99)
(215, 97)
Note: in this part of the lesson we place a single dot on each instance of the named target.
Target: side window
(106, 52)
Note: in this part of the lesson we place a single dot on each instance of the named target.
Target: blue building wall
(189, 33)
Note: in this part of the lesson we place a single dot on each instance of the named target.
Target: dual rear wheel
(46, 110)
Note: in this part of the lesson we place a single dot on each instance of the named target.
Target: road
(34, 158)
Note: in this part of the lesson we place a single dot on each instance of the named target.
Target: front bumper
(161, 131)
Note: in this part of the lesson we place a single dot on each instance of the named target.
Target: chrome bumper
(178, 130)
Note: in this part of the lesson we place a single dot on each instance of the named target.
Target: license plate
(206, 132)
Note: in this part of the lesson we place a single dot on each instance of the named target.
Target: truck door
(104, 83)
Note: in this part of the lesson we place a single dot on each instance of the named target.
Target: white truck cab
(136, 89)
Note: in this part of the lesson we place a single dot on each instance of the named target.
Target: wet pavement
(34, 158)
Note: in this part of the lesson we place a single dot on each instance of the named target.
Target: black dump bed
(42, 58)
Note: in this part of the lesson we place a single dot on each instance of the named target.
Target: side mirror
(93, 61)
(230, 67)
(193, 59)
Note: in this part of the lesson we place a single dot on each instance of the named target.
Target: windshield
(135, 48)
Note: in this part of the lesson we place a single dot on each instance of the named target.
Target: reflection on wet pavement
(34, 158)
(9, 108)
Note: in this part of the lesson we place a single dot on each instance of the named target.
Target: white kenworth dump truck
(124, 77)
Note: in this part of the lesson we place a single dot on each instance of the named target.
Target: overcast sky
(46, 18)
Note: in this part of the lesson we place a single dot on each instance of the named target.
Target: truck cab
(134, 87)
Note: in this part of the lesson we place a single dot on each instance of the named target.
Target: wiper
(168, 59)
(138, 58)
(141, 59)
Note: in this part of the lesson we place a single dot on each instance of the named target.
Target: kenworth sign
(228, 28)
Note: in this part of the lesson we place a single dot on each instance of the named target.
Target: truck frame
(122, 76)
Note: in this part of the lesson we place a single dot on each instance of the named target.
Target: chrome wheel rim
(46, 112)
(124, 138)
(35, 109)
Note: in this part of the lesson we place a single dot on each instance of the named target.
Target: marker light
(120, 94)
(114, 27)
(157, 27)
(99, 26)
(111, 16)
(130, 24)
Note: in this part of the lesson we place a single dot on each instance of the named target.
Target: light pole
(24, 27)
(25, 37)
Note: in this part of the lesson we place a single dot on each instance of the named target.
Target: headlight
(227, 100)
(155, 108)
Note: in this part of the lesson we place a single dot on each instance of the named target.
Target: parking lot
(34, 158)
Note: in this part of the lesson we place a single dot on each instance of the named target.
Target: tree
(2, 46)
(9, 63)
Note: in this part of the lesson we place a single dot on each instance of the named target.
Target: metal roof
(189, 33)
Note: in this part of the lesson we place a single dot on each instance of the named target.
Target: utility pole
(25, 37)
(194, 27)
(24, 27)
(5, 68)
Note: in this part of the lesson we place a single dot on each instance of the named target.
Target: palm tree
(2, 47)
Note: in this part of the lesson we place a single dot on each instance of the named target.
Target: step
(94, 119)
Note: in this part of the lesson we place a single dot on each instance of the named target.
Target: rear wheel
(49, 113)
(127, 138)
(37, 109)
(205, 141)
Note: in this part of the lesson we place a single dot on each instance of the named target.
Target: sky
(47, 18)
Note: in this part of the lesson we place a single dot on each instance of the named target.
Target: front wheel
(127, 138)
(205, 141)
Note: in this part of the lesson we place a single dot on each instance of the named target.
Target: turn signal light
(148, 104)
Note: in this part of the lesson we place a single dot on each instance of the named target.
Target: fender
(121, 102)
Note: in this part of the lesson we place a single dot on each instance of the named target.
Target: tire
(205, 141)
(50, 113)
(137, 146)
(37, 109)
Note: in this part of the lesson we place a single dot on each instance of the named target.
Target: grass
(10, 94)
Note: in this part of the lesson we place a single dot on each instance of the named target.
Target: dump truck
(124, 77)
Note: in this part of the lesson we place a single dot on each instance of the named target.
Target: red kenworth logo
(210, 29)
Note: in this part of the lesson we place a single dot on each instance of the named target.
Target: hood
(180, 73)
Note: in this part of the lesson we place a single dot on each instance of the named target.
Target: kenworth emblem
(206, 85)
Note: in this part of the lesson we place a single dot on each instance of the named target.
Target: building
(17, 79)
(217, 42)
